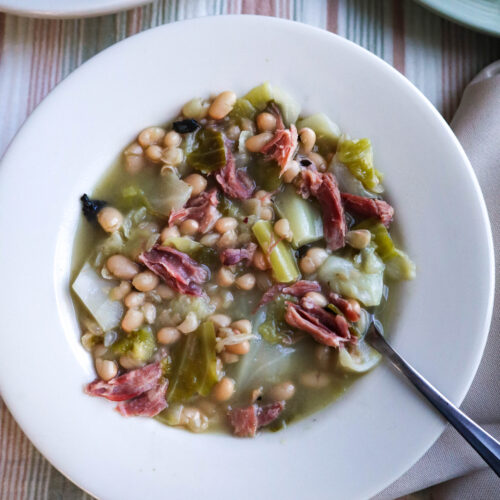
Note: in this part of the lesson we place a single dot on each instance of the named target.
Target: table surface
(439, 57)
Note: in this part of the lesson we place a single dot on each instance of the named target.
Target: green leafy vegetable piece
(304, 216)
(182, 305)
(207, 256)
(140, 344)
(242, 141)
(280, 254)
(93, 290)
(398, 265)
(230, 208)
(326, 131)
(334, 309)
(183, 244)
(290, 108)
(194, 365)
(209, 152)
(273, 327)
(351, 278)
(166, 365)
(168, 193)
(265, 174)
(134, 197)
(243, 108)
(357, 156)
(259, 96)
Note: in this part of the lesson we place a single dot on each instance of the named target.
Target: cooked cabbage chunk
(361, 279)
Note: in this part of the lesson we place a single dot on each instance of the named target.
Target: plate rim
(452, 13)
(69, 13)
(423, 100)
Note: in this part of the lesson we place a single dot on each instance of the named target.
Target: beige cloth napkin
(451, 467)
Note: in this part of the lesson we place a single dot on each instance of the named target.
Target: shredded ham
(323, 186)
(231, 256)
(245, 421)
(298, 289)
(202, 208)
(177, 269)
(128, 385)
(345, 307)
(369, 207)
(235, 183)
(148, 404)
(324, 327)
(283, 145)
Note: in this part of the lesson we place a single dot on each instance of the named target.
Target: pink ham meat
(235, 183)
(148, 404)
(345, 307)
(324, 188)
(369, 207)
(231, 256)
(324, 327)
(268, 413)
(202, 208)
(177, 269)
(282, 146)
(127, 386)
(245, 421)
(298, 289)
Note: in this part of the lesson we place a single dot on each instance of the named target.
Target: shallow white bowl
(368, 437)
(67, 8)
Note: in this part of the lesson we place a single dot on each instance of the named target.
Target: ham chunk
(323, 186)
(298, 289)
(269, 413)
(177, 269)
(243, 421)
(127, 386)
(202, 208)
(324, 327)
(369, 207)
(235, 183)
(346, 307)
(148, 404)
(246, 421)
(231, 256)
(282, 146)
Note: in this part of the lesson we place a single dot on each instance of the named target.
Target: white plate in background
(67, 8)
(380, 427)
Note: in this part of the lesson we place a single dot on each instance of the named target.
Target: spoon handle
(485, 444)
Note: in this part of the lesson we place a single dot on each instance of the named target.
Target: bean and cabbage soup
(228, 265)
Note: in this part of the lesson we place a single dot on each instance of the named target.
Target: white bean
(110, 219)
(145, 281)
(190, 323)
(223, 390)
(283, 391)
(106, 369)
(222, 105)
(132, 320)
(168, 335)
(255, 143)
(122, 267)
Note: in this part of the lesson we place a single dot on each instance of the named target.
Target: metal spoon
(487, 446)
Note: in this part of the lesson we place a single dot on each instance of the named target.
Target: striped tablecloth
(436, 55)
